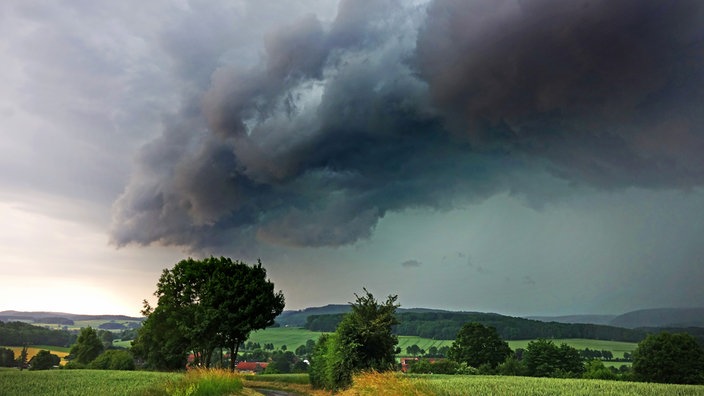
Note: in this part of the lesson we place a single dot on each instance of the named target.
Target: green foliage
(203, 305)
(44, 360)
(479, 345)
(669, 358)
(87, 347)
(113, 359)
(511, 366)
(281, 363)
(7, 357)
(543, 358)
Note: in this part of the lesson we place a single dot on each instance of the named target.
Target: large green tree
(669, 358)
(87, 347)
(478, 345)
(202, 305)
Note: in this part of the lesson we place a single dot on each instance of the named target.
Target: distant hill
(299, 318)
(661, 317)
(25, 316)
(593, 319)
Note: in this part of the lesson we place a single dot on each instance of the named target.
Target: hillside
(24, 316)
(593, 319)
(661, 317)
(299, 318)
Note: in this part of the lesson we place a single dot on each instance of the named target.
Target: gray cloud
(411, 264)
(393, 106)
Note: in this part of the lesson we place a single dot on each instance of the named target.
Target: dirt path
(274, 392)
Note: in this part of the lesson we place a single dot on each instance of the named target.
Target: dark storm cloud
(608, 92)
(392, 107)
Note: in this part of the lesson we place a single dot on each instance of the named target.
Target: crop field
(33, 350)
(79, 382)
(457, 385)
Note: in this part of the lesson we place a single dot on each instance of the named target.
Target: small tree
(87, 347)
(22, 359)
(478, 345)
(669, 358)
(362, 341)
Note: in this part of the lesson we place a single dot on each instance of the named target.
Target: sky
(524, 157)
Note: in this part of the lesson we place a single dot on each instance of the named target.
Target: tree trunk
(234, 349)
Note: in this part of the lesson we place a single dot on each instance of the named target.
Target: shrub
(44, 360)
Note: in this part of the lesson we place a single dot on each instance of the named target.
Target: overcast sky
(520, 157)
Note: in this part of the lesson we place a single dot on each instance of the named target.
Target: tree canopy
(204, 304)
(543, 358)
(669, 358)
(478, 345)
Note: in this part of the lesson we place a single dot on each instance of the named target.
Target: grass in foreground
(78, 382)
(437, 385)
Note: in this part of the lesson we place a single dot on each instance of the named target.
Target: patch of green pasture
(456, 385)
(616, 347)
(292, 337)
(79, 382)
(423, 343)
(122, 344)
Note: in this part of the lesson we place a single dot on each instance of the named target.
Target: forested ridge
(19, 333)
(445, 326)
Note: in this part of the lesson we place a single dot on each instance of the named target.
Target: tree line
(20, 333)
(446, 326)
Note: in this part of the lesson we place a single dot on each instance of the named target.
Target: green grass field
(616, 347)
(79, 382)
(292, 337)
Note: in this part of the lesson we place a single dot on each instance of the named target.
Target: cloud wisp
(394, 106)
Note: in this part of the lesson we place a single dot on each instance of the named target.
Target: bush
(113, 359)
(329, 367)
(596, 370)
